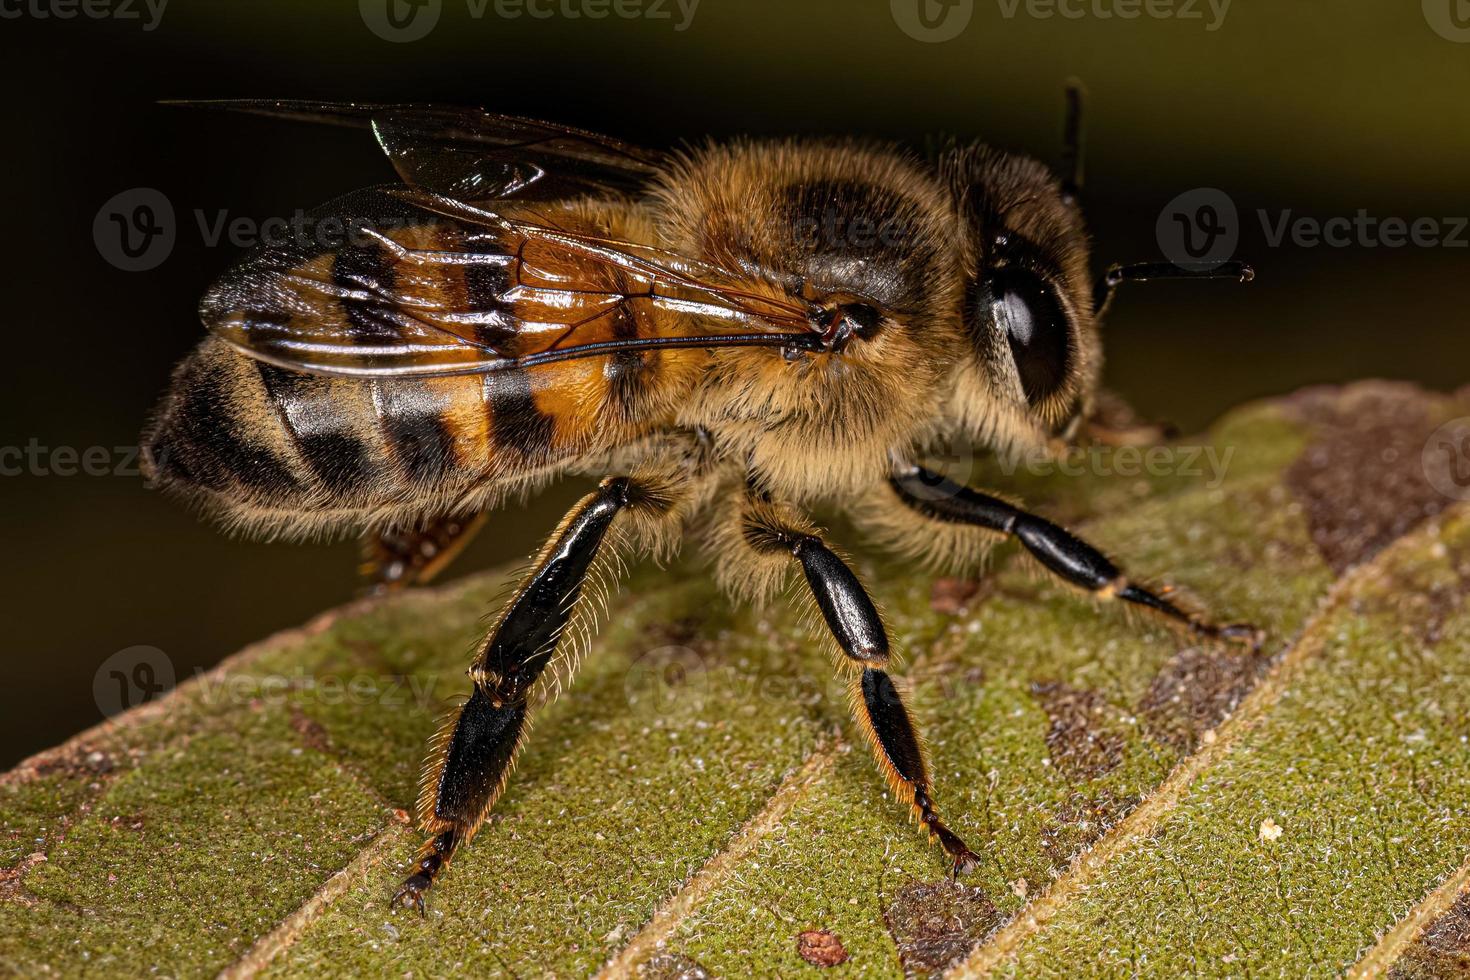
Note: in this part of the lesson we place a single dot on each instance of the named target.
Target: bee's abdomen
(285, 451)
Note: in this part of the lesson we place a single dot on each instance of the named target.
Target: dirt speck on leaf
(937, 924)
(1083, 741)
(821, 947)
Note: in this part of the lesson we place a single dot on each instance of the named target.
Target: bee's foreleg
(400, 556)
(472, 757)
(854, 622)
(1057, 550)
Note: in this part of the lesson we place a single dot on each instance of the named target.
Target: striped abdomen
(278, 451)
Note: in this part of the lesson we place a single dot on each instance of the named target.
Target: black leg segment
(472, 759)
(1057, 549)
(854, 622)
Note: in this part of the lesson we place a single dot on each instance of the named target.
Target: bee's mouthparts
(835, 327)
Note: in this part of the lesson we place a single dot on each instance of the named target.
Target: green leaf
(699, 799)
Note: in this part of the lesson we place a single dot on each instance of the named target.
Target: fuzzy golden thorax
(833, 223)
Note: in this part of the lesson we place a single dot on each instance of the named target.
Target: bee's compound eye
(1036, 328)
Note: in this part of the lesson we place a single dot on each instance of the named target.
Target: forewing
(389, 282)
(474, 155)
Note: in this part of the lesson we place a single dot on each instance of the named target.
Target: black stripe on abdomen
(201, 440)
(515, 421)
(339, 459)
(410, 416)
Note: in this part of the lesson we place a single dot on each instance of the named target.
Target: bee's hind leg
(401, 556)
(943, 502)
(778, 537)
(471, 759)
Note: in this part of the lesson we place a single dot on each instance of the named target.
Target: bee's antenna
(1144, 271)
(1072, 142)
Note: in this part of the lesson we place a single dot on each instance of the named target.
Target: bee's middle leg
(776, 536)
(471, 759)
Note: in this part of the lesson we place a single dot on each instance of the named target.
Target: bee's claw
(1244, 634)
(410, 894)
(966, 861)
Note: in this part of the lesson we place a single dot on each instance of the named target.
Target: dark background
(1321, 108)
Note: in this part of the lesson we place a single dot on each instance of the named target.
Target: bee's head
(1028, 319)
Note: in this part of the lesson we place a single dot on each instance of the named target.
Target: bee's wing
(473, 155)
(389, 281)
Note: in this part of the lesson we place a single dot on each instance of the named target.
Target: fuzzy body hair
(271, 452)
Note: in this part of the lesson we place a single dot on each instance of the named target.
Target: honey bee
(730, 335)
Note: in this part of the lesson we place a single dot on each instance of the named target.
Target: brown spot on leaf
(1083, 740)
(1080, 821)
(952, 596)
(1361, 479)
(310, 730)
(1195, 691)
(1443, 951)
(821, 947)
(672, 966)
(12, 881)
(937, 924)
